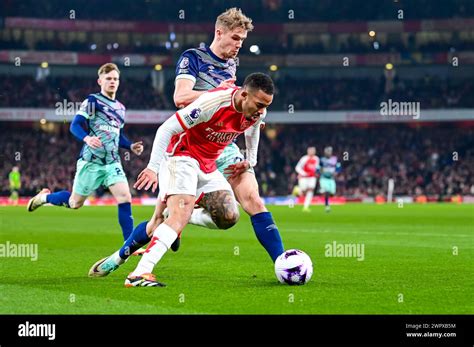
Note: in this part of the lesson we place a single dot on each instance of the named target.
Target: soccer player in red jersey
(306, 169)
(184, 156)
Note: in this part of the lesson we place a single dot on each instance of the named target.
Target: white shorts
(182, 175)
(305, 183)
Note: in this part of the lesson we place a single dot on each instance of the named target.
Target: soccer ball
(293, 267)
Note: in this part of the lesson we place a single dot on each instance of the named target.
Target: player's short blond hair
(234, 18)
(106, 68)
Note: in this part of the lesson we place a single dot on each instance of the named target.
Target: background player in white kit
(194, 137)
(306, 169)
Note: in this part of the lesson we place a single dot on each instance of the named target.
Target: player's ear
(218, 33)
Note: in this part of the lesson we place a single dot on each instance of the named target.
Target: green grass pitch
(417, 260)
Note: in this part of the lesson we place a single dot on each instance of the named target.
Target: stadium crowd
(429, 160)
(310, 94)
(259, 10)
(353, 44)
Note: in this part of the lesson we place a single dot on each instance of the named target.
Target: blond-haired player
(204, 68)
(99, 161)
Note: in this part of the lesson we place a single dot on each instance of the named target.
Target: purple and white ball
(293, 267)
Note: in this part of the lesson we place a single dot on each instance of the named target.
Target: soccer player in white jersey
(306, 169)
(184, 154)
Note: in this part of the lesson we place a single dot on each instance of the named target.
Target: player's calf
(222, 207)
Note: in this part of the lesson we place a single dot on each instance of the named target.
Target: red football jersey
(308, 165)
(211, 123)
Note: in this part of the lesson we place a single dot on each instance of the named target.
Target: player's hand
(262, 125)
(146, 179)
(228, 83)
(137, 147)
(93, 141)
(236, 169)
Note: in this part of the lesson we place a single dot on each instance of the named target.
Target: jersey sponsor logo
(109, 128)
(220, 137)
(184, 63)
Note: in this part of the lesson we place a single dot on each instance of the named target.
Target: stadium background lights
(158, 67)
(44, 65)
(43, 121)
(273, 67)
(255, 49)
(372, 33)
(389, 66)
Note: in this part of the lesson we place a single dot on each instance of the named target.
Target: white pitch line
(376, 232)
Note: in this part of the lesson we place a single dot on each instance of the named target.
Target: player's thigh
(307, 183)
(121, 192)
(245, 187)
(327, 185)
(178, 175)
(89, 176)
(218, 199)
(113, 175)
(231, 155)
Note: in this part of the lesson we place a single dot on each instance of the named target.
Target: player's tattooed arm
(222, 207)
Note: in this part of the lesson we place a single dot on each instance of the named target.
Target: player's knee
(253, 203)
(75, 204)
(124, 197)
(229, 217)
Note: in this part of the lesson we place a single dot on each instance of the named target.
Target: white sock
(307, 200)
(163, 238)
(117, 259)
(43, 198)
(202, 218)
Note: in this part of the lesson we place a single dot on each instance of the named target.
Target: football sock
(307, 200)
(137, 239)
(326, 199)
(267, 233)
(202, 218)
(163, 238)
(59, 198)
(125, 219)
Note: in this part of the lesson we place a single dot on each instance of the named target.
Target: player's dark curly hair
(258, 80)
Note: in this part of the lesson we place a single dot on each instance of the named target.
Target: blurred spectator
(308, 94)
(426, 161)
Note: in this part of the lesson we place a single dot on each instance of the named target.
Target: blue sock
(267, 233)
(326, 199)
(59, 199)
(137, 239)
(125, 219)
